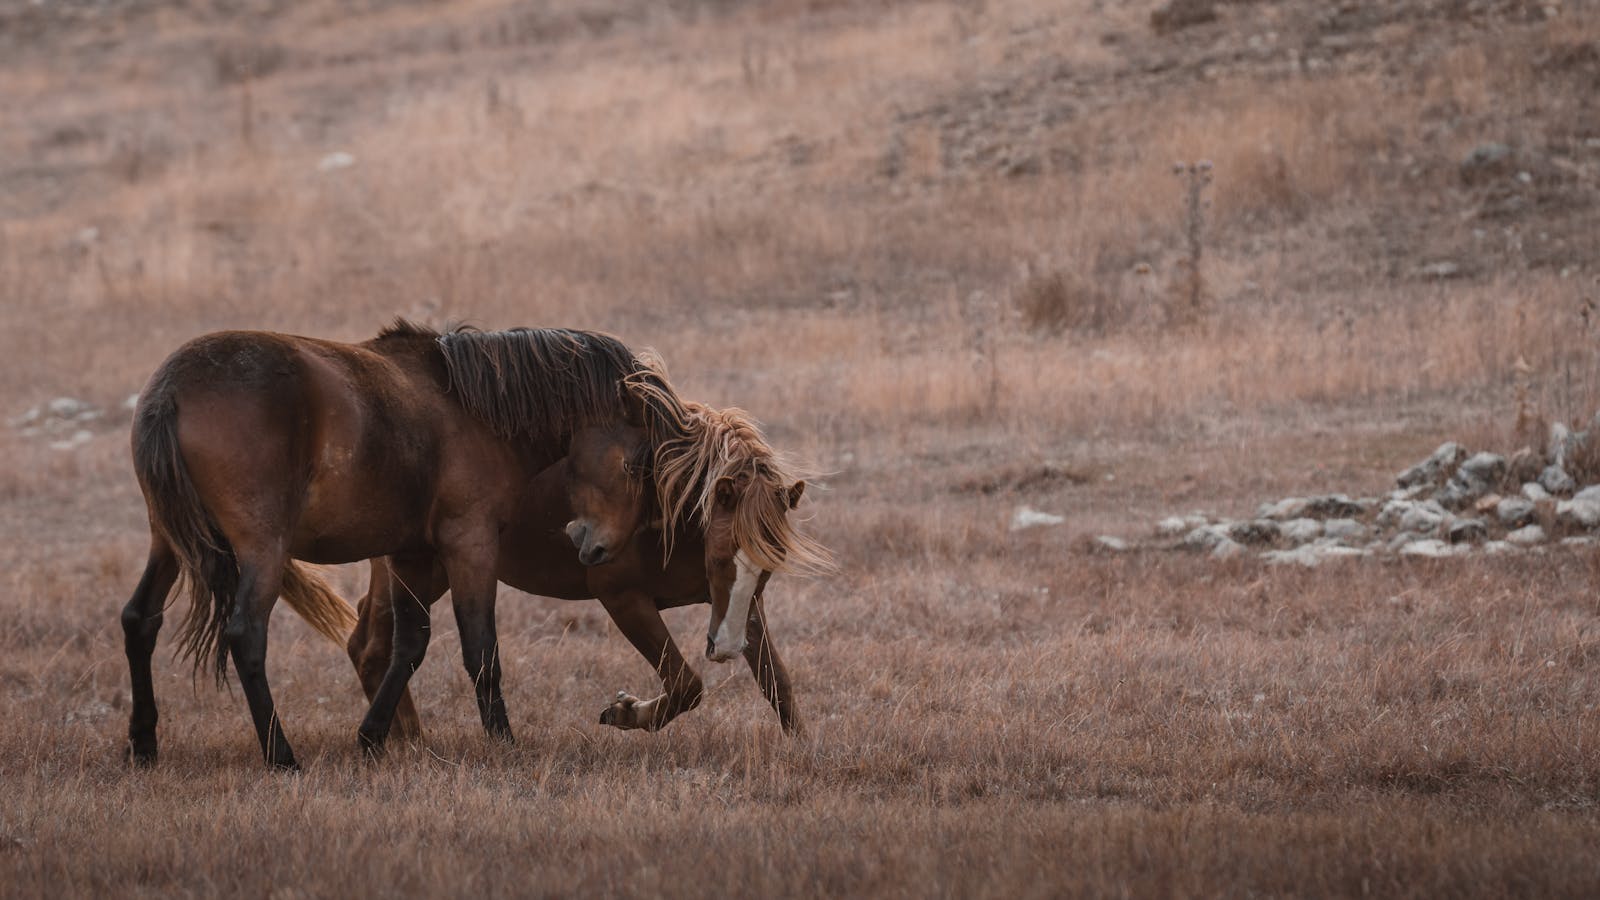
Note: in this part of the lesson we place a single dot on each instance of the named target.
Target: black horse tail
(208, 568)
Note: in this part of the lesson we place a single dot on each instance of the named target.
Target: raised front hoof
(140, 753)
(621, 713)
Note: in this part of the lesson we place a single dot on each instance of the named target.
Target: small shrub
(1055, 302)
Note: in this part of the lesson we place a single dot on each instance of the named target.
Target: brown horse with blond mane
(254, 450)
(720, 528)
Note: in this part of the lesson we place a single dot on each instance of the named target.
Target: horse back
(332, 445)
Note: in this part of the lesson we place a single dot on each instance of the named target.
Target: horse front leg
(640, 622)
(771, 674)
(470, 565)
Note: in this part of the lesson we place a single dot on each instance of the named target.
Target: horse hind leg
(371, 646)
(413, 591)
(260, 580)
(141, 623)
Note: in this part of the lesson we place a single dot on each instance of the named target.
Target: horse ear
(724, 491)
(795, 491)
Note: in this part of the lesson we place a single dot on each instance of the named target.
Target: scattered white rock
(1556, 480)
(1301, 556)
(1287, 508)
(1472, 479)
(1446, 505)
(1111, 542)
(1301, 531)
(1467, 531)
(63, 418)
(1348, 530)
(1205, 537)
(132, 403)
(1582, 511)
(1338, 551)
(1028, 517)
(336, 160)
(1436, 468)
(1415, 492)
(1515, 512)
(1254, 532)
(78, 439)
(1423, 518)
(71, 409)
(1172, 526)
(1526, 536)
(1227, 548)
(1430, 548)
(1564, 444)
(1337, 506)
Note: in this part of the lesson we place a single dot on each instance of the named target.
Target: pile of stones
(67, 422)
(1452, 503)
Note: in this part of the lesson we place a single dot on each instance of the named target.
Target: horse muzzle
(590, 551)
(723, 654)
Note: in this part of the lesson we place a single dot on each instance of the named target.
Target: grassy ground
(939, 249)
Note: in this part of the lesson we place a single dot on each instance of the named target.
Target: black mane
(546, 383)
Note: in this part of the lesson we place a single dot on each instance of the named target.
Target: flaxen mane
(727, 443)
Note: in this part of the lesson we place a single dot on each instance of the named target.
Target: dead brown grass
(839, 216)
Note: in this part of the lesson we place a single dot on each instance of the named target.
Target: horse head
(606, 475)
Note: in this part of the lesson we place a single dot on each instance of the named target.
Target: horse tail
(208, 570)
(312, 600)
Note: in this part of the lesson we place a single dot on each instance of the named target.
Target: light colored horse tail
(312, 600)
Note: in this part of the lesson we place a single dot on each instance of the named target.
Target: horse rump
(208, 569)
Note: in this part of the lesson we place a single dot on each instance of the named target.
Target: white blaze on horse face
(729, 641)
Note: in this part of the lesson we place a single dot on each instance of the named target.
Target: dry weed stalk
(982, 316)
(1196, 178)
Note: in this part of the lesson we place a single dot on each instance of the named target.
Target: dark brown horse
(599, 493)
(256, 449)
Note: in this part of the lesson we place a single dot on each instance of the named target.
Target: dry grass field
(939, 249)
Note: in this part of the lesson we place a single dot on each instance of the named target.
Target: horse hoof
(371, 745)
(140, 753)
(288, 765)
(620, 713)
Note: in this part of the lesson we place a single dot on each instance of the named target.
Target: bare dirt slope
(939, 249)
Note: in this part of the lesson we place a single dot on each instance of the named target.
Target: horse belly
(542, 565)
